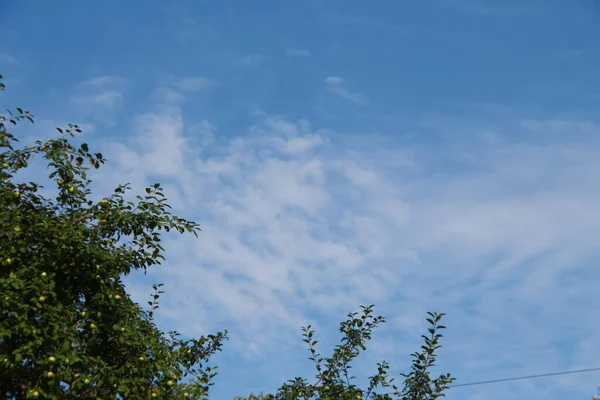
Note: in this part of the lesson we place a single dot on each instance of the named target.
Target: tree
(334, 380)
(68, 328)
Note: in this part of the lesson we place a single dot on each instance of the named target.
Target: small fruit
(154, 395)
(71, 189)
(141, 358)
(4, 165)
(122, 329)
(52, 359)
(83, 313)
(44, 274)
(86, 381)
(8, 261)
(170, 383)
(50, 374)
(92, 325)
(17, 193)
(117, 297)
(42, 299)
(35, 393)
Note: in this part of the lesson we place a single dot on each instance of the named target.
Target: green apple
(4, 165)
(44, 274)
(8, 261)
(117, 297)
(42, 299)
(141, 358)
(52, 359)
(86, 381)
(50, 374)
(35, 393)
(170, 383)
(92, 325)
(83, 313)
(71, 189)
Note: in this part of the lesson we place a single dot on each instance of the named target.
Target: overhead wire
(579, 371)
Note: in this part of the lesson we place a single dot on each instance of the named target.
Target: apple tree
(68, 328)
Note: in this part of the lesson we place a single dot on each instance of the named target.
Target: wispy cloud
(252, 60)
(194, 83)
(99, 98)
(494, 7)
(298, 52)
(300, 225)
(102, 82)
(367, 23)
(106, 99)
(9, 59)
(341, 87)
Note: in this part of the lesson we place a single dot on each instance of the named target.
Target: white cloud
(340, 87)
(298, 223)
(298, 52)
(9, 59)
(102, 82)
(100, 96)
(252, 60)
(493, 7)
(367, 23)
(108, 99)
(194, 83)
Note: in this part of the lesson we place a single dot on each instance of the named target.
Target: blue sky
(418, 155)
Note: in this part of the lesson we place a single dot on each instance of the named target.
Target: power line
(525, 377)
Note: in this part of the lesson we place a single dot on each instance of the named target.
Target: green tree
(68, 329)
(334, 380)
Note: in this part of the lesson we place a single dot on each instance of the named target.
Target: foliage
(334, 380)
(68, 329)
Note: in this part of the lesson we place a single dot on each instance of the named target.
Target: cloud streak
(341, 87)
(299, 222)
